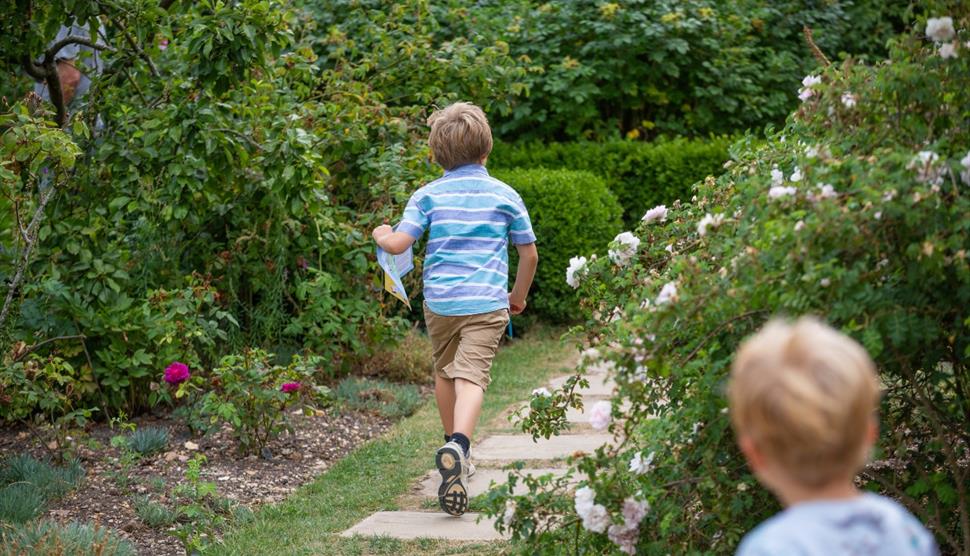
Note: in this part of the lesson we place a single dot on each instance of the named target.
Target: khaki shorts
(465, 345)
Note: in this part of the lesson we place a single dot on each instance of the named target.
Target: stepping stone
(480, 482)
(600, 386)
(426, 525)
(504, 447)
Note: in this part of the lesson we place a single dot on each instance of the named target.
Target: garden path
(498, 447)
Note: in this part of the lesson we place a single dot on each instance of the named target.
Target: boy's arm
(393, 242)
(528, 261)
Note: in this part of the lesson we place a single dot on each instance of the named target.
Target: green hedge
(642, 175)
(573, 213)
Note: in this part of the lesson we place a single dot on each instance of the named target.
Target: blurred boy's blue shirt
(869, 525)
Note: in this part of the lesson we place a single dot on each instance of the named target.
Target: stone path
(490, 455)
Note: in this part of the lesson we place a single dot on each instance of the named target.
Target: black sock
(462, 441)
(447, 439)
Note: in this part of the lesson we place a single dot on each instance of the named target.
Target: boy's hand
(381, 231)
(516, 306)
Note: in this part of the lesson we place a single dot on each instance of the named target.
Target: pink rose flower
(177, 373)
(289, 387)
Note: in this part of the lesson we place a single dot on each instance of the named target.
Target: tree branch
(51, 52)
(45, 197)
(38, 345)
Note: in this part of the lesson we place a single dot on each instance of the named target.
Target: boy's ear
(755, 459)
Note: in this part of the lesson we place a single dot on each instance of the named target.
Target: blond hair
(805, 395)
(459, 135)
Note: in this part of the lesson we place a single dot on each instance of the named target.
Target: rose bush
(870, 233)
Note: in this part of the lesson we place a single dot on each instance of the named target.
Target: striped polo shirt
(470, 217)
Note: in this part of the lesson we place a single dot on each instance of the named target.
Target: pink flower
(289, 387)
(177, 373)
(163, 44)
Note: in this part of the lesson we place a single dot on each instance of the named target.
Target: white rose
(600, 415)
(626, 248)
(667, 294)
(940, 29)
(576, 265)
(658, 213)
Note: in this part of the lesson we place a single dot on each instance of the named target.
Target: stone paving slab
(600, 385)
(505, 447)
(479, 482)
(426, 525)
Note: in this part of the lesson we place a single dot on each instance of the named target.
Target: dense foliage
(572, 212)
(202, 208)
(856, 211)
(640, 174)
(641, 67)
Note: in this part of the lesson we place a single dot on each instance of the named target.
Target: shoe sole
(452, 495)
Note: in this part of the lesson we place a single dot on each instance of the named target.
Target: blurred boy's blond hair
(805, 395)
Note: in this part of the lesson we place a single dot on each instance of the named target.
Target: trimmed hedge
(573, 213)
(642, 175)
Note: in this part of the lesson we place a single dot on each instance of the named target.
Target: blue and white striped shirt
(470, 217)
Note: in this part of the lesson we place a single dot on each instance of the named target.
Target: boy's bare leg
(444, 393)
(468, 406)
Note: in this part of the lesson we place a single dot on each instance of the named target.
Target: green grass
(375, 475)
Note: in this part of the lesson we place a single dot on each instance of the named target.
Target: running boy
(470, 218)
(803, 402)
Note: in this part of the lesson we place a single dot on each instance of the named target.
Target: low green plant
(153, 514)
(640, 174)
(20, 502)
(573, 214)
(387, 399)
(201, 512)
(254, 396)
(148, 440)
(50, 481)
(49, 537)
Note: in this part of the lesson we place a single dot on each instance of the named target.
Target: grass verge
(375, 475)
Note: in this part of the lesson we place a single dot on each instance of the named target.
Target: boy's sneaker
(471, 466)
(453, 493)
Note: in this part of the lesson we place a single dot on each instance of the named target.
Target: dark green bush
(573, 214)
(648, 67)
(641, 175)
(148, 440)
(78, 539)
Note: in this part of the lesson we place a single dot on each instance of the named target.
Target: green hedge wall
(642, 175)
(573, 213)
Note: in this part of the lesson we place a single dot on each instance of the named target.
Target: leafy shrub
(205, 218)
(148, 440)
(49, 537)
(856, 211)
(387, 399)
(253, 395)
(641, 68)
(641, 175)
(573, 213)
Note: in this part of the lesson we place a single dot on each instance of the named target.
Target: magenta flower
(163, 44)
(290, 387)
(177, 373)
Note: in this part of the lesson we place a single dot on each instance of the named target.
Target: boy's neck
(791, 493)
